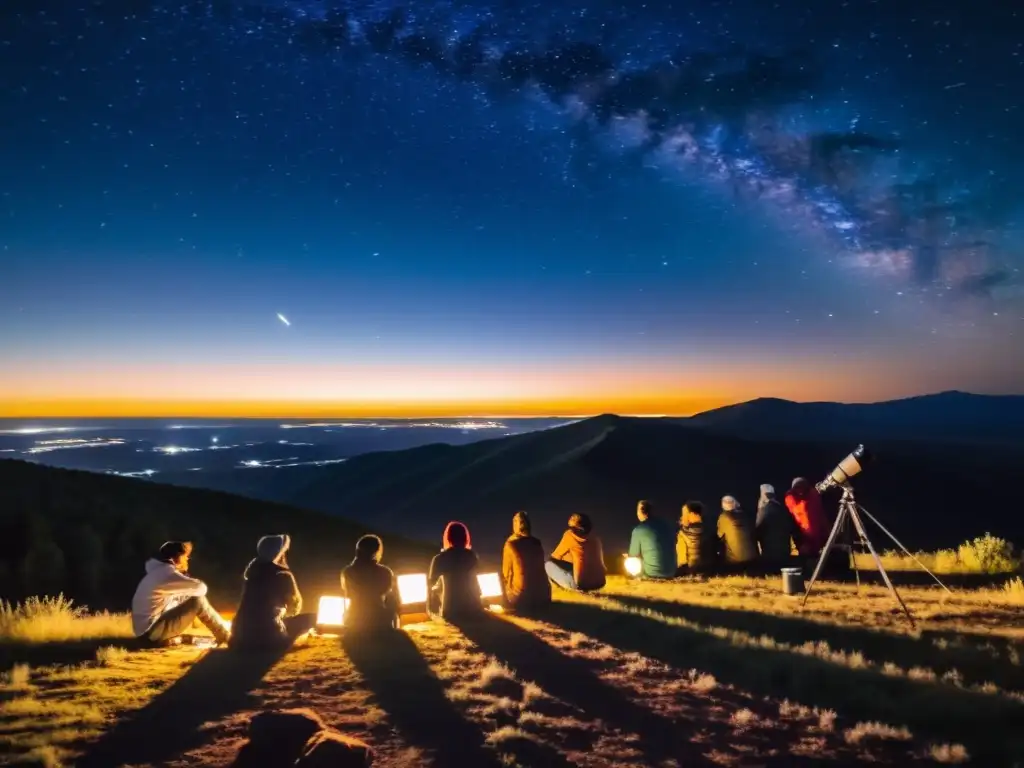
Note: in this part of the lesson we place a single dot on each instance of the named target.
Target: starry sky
(513, 208)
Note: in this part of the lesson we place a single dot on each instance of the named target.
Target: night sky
(509, 209)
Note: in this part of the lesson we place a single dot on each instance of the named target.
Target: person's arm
(292, 598)
(507, 570)
(563, 550)
(391, 601)
(434, 574)
(181, 585)
(635, 548)
(344, 586)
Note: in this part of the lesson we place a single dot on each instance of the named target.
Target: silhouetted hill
(947, 416)
(88, 535)
(931, 498)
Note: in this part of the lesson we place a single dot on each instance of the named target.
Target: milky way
(730, 116)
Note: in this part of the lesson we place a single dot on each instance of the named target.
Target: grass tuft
(862, 731)
(56, 620)
(953, 754)
(109, 655)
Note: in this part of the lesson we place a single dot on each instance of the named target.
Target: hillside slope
(946, 416)
(88, 535)
(603, 465)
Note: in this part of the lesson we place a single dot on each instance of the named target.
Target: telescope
(849, 467)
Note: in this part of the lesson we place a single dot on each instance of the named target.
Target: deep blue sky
(462, 229)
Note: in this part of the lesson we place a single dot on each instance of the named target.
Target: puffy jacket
(696, 547)
(804, 504)
(523, 579)
(269, 594)
(587, 557)
(736, 532)
(775, 529)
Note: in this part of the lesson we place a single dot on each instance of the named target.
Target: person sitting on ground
(775, 529)
(370, 587)
(696, 542)
(453, 573)
(167, 600)
(804, 504)
(578, 561)
(523, 578)
(269, 612)
(736, 533)
(653, 541)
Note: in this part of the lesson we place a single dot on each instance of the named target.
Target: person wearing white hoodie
(167, 600)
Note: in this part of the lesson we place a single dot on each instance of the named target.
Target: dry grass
(985, 554)
(57, 620)
(726, 671)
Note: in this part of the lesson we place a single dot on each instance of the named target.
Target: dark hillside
(88, 535)
(603, 465)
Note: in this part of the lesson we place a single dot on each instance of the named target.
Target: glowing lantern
(412, 588)
(331, 611)
(490, 586)
(634, 566)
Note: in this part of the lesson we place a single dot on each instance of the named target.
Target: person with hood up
(775, 529)
(696, 542)
(453, 573)
(523, 578)
(370, 587)
(804, 503)
(653, 541)
(168, 600)
(578, 561)
(736, 533)
(269, 613)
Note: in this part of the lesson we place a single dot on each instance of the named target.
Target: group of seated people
(168, 600)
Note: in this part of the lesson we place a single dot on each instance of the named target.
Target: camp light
(331, 611)
(490, 586)
(412, 589)
(634, 566)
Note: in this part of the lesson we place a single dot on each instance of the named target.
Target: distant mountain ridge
(947, 416)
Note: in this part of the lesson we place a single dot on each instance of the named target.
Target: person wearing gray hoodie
(269, 615)
(168, 600)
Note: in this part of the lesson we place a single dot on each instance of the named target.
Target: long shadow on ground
(407, 689)
(989, 725)
(662, 739)
(973, 664)
(218, 685)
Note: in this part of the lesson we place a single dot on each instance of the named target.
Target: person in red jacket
(804, 503)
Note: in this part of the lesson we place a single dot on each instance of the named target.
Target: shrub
(988, 554)
(57, 619)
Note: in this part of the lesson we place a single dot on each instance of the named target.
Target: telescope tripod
(851, 511)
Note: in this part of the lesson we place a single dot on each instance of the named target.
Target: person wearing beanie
(168, 600)
(578, 561)
(774, 529)
(452, 580)
(269, 613)
(736, 534)
(371, 589)
(523, 579)
(654, 542)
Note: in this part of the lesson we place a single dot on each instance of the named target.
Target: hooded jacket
(524, 581)
(587, 558)
(455, 570)
(269, 594)
(163, 588)
(804, 504)
(775, 529)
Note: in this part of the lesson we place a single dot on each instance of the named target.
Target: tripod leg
(853, 556)
(881, 568)
(909, 554)
(843, 511)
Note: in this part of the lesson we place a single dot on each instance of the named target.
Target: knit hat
(729, 503)
(270, 548)
(767, 490)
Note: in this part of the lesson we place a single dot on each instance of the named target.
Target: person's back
(775, 528)
(370, 589)
(804, 504)
(696, 541)
(653, 541)
(269, 594)
(584, 551)
(455, 571)
(524, 580)
(736, 532)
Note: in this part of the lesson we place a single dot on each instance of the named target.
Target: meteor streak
(283, 319)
